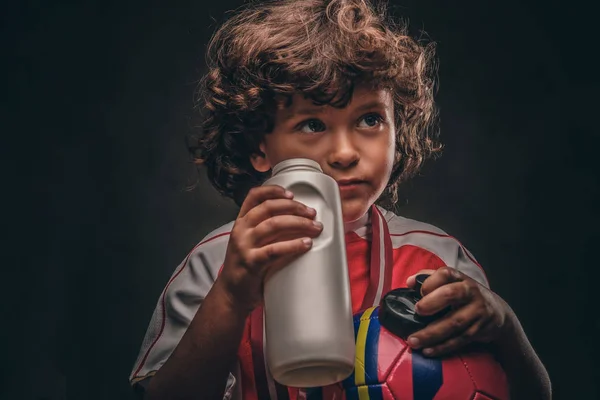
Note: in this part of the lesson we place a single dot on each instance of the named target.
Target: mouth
(348, 186)
(350, 182)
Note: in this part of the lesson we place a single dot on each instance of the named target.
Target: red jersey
(383, 250)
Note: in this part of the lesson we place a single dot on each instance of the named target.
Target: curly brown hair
(268, 51)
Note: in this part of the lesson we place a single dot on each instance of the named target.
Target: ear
(260, 162)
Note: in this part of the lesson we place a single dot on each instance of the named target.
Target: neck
(359, 223)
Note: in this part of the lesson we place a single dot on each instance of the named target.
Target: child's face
(354, 145)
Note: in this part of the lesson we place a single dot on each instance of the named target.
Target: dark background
(96, 104)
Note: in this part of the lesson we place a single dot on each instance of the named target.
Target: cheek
(281, 147)
(277, 149)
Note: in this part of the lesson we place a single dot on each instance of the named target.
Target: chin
(354, 209)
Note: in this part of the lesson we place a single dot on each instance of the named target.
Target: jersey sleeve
(177, 305)
(468, 265)
(447, 248)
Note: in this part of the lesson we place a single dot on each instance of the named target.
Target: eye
(311, 126)
(370, 120)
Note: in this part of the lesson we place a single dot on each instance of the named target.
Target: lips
(350, 182)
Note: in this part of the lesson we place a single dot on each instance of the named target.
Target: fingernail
(413, 342)
(307, 241)
(428, 351)
(289, 194)
(311, 210)
(318, 224)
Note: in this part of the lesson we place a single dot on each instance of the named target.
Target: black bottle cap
(397, 310)
(419, 280)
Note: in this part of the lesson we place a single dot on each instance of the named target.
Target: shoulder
(194, 276)
(183, 294)
(212, 245)
(400, 225)
(209, 253)
(409, 232)
(216, 238)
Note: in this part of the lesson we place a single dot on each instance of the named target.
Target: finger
(273, 207)
(271, 253)
(411, 280)
(283, 228)
(440, 277)
(453, 344)
(445, 328)
(260, 194)
(451, 294)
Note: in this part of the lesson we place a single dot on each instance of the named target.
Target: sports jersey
(383, 250)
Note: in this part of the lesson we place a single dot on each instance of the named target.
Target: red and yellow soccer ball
(387, 368)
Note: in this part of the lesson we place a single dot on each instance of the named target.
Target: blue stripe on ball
(375, 392)
(371, 350)
(427, 376)
(349, 381)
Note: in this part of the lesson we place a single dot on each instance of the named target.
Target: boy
(334, 82)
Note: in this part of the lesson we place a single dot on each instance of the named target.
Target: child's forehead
(361, 95)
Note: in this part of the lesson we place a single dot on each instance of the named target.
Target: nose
(344, 153)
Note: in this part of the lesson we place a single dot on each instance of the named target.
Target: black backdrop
(97, 102)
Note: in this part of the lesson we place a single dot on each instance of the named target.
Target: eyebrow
(315, 110)
(370, 104)
(309, 111)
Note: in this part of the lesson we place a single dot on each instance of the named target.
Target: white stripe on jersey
(382, 260)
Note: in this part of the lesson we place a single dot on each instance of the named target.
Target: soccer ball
(387, 368)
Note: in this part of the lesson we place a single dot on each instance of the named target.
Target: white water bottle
(308, 308)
